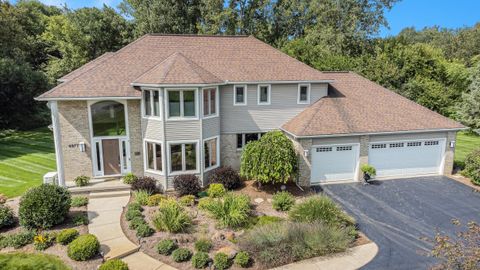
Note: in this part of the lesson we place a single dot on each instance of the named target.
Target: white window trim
(145, 159)
(259, 134)
(245, 91)
(269, 94)
(218, 153)
(169, 161)
(160, 101)
(308, 94)
(181, 117)
(217, 102)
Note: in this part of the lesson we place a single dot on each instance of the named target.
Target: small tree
(272, 159)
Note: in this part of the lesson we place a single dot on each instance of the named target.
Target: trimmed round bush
(220, 261)
(181, 255)
(166, 247)
(320, 208)
(66, 236)
(146, 183)
(283, 201)
(242, 259)
(83, 248)
(7, 218)
(226, 176)
(472, 166)
(203, 245)
(114, 264)
(216, 190)
(129, 178)
(44, 206)
(144, 230)
(186, 184)
(81, 180)
(200, 260)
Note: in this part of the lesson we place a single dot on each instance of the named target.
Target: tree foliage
(469, 108)
(272, 159)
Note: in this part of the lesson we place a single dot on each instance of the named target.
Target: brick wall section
(363, 159)
(449, 153)
(229, 155)
(73, 118)
(135, 132)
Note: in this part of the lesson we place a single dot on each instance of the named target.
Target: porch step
(109, 194)
(108, 186)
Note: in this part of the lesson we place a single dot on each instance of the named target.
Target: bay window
(211, 153)
(181, 103)
(183, 157)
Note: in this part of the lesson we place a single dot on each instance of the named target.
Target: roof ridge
(196, 35)
(197, 65)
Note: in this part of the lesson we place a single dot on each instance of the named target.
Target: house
(173, 104)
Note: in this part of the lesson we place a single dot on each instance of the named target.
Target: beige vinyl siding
(152, 129)
(253, 117)
(211, 127)
(182, 130)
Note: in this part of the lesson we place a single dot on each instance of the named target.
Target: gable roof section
(228, 58)
(177, 69)
(356, 105)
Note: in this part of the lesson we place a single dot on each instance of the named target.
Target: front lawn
(25, 156)
(31, 261)
(466, 143)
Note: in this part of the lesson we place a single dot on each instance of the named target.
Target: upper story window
(263, 94)
(244, 138)
(153, 155)
(303, 94)
(181, 104)
(210, 100)
(240, 95)
(108, 118)
(151, 103)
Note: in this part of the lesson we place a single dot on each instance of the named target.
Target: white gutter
(225, 83)
(84, 98)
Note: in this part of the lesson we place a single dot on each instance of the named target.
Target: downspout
(53, 105)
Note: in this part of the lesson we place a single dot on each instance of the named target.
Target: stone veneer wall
(449, 153)
(304, 162)
(135, 132)
(229, 155)
(73, 119)
(364, 146)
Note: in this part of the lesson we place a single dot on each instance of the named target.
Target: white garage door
(334, 163)
(414, 157)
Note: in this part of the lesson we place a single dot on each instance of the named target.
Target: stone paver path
(104, 213)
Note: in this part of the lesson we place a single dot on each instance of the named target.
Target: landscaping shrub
(204, 202)
(141, 196)
(220, 261)
(272, 159)
(114, 264)
(79, 201)
(7, 218)
(83, 248)
(31, 261)
(368, 169)
(155, 199)
(203, 245)
(135, 222)
(286, 242)
(44, 206)
(187, 200)
(283, 201)
(181, 255)
(200, 260)
(66, 236)
(20, 239)
(80, 219)
(216, 190)
(231, 211)
(134, 206)
(133, 213)
(320, 208)
(472, 166)
(43, 241)
(144, 230)
(226, 176)
(129, 178)
(186, 184)
(146, 183)
(81, 180)
(166, 247)
(171, 217)
(242, 259)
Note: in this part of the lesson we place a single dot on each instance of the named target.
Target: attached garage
(334, 163)
(407, 158)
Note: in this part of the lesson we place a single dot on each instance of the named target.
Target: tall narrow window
(240, 95)
(303, 93)
(151, 103)
(176, 157)
(183, 157)
(174, 104)
(156, 103)
(188, 103)
(154, 156)
(263, 94)
(210, 157)
(209, 101)
(146, 101)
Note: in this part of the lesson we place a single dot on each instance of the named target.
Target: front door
(111, 157)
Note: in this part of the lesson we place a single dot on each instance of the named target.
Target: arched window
(108, 118)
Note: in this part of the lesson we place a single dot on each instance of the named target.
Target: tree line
(436, 67)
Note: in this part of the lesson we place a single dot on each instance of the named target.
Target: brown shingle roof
(357, 105)
(177, 69)
(79, 71)
(229, 58)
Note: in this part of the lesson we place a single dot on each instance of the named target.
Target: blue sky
(416, 13)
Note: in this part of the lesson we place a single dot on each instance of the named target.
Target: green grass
(25, 156)
(466, 143)
(31, 261)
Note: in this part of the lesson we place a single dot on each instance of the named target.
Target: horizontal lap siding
(152, 129)
(211, 127)
(182, 130)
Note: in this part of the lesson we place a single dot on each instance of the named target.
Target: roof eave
(137, 84)
(84, 98)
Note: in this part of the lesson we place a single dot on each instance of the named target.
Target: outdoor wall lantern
(452, 144)
(305, 152)
(81, 146)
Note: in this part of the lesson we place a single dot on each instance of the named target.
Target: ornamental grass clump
(320, 208)
(233, 210)
(283, 201)
(171, 217)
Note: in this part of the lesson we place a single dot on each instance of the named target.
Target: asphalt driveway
(396, 214)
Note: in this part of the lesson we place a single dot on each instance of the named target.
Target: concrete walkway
(104, 213)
